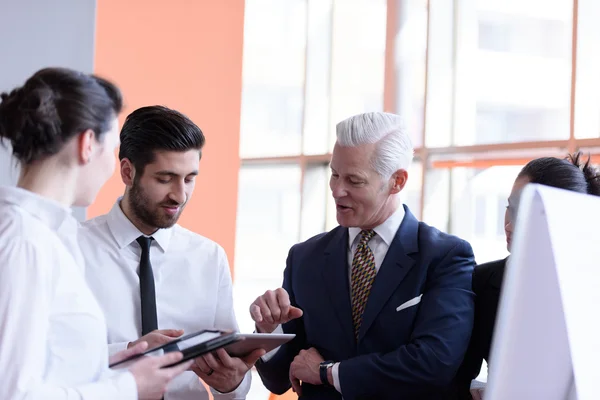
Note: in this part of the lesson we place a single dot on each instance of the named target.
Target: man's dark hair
(54, 105)
(569, 174)
(157, 128)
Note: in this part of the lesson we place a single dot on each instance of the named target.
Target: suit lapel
(396, 264)
(335, 275)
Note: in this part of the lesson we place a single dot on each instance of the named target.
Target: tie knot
(144, 242)
(365, 237)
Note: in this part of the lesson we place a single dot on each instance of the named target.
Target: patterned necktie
(363, 275)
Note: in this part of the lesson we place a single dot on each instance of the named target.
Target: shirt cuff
(335, 372)
(127, 385)
(114, 348)
(475, 384)
(239, 393)
(115, 385)
(272, 353)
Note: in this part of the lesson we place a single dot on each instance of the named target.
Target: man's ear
(127, 172)
(85, 145)
(399, 179)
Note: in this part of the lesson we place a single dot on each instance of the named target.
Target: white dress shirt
(192, 284)
(379, 244)
(52, 331)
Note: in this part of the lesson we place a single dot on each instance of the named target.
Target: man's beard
(148, 215)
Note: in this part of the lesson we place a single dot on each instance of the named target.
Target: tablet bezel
(226, 338)
(247, 340)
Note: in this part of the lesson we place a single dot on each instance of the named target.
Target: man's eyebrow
(171, 173)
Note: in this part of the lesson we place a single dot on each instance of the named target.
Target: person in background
(152, 277)
(569, 174)
(62, 127)
(381, 306)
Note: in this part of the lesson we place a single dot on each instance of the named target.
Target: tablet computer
(248, 342)
(192, 345)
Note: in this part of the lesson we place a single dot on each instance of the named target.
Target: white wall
(41, 33)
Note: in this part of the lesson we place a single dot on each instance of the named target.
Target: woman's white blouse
(52, 331)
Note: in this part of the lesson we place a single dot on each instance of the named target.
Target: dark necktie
(147, 294)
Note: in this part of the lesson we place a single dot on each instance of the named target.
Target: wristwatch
(323, 371)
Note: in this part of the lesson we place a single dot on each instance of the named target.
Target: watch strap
(323, 372)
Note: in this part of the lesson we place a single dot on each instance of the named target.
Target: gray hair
(394, 149)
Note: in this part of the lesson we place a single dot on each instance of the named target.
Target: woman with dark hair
(62, 126)
(569, 174)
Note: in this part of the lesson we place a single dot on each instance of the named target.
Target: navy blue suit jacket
(413, 353)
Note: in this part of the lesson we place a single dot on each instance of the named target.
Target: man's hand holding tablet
(221, 371)
(225, 368)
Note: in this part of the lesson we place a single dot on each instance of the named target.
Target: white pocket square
(410, 303)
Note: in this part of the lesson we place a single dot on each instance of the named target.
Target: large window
(517, 71)
(484, 87)
(307, 65)
(273, 76)
(470, 202)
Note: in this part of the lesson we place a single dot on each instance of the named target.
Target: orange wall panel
(186, 55)
(289, 395)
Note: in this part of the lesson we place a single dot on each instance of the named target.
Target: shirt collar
(386, 231)
(125, 232)
(50, 212)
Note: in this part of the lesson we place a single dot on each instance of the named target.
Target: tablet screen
(202, 337)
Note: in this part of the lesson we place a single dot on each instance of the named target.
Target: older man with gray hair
(381, 305)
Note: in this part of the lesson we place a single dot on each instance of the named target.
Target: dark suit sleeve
(439, 341)
(275, 373)
(471, 365)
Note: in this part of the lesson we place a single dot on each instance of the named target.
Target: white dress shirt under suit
(52, 331)
(192, 284)
(379, 244)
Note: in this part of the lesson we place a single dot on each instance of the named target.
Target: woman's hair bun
(54, 105)
(590, 172)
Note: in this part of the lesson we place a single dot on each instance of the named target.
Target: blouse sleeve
(26, 291)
